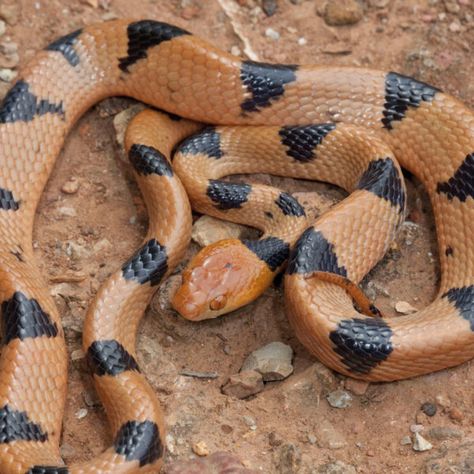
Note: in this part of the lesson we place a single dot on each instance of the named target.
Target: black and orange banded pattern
(20, 104)
(402, 113)
(23, 318)
(312, 252)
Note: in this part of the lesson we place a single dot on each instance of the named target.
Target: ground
(82, 237)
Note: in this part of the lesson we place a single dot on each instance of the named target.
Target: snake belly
(430, 133)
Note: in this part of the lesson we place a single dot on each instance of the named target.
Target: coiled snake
(299, 121)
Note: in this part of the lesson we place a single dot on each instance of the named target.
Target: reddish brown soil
(415, 37)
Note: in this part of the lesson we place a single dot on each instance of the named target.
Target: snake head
(222, 277)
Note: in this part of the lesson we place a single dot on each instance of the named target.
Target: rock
(3, 27)
(311, 438)
(244, 384)
(200, 448)
(421, 444)
(67, 211)
(429, 409)
(7, 75)
(443, 401)
(289, 459)
(71, 186)
(122, 119)
(77, 355)
(416, 428)
(337, 467)
(10, 12)
(339, 399)
(342, 12)
(235, 50)
(273, 361)
(403, 307)
(215, 463)
(328, 436)
(67, 451)
(81, 413)
(357, 387)
(455, 27)
(9, 57)
(317, 380)
(441, 433)
(274, 439)
(272, 34)
(250, 422)
(451, 6)
(207, 230)
(302, 41)
(269, 7)
(406, 440)
(91, 398)
(456, 414)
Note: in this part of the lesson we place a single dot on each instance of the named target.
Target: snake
(301, 120)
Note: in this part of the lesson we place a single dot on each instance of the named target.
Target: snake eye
(218, 303)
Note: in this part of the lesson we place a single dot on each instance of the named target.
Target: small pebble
(7, 75)
(443, 401)
(200, 448)
(302, 41)
(81, 413)
(442, 433)
(243, 384)
(272, 34)
(406, 440)
(416, 428)
(71, 186)
(10, 12)
(274, 439)
(67, 450)
(77, 355)
(429, 409)
(342, 12)
(3, 27)
(250, 422)
(207, 230)
(312, 439)
(403, 307)
(421, 444)
(67, 211)
(456, 414)
(339, 399)
(336, 467)
(357, 387)
(455, 27)
(290, 459)
(269, 7)
(273, 361)
(235, 50)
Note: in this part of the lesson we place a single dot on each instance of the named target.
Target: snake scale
(348, 126)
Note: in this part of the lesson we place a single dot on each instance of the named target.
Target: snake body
(429, 132)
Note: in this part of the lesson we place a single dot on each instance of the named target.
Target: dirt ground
(289, 427)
